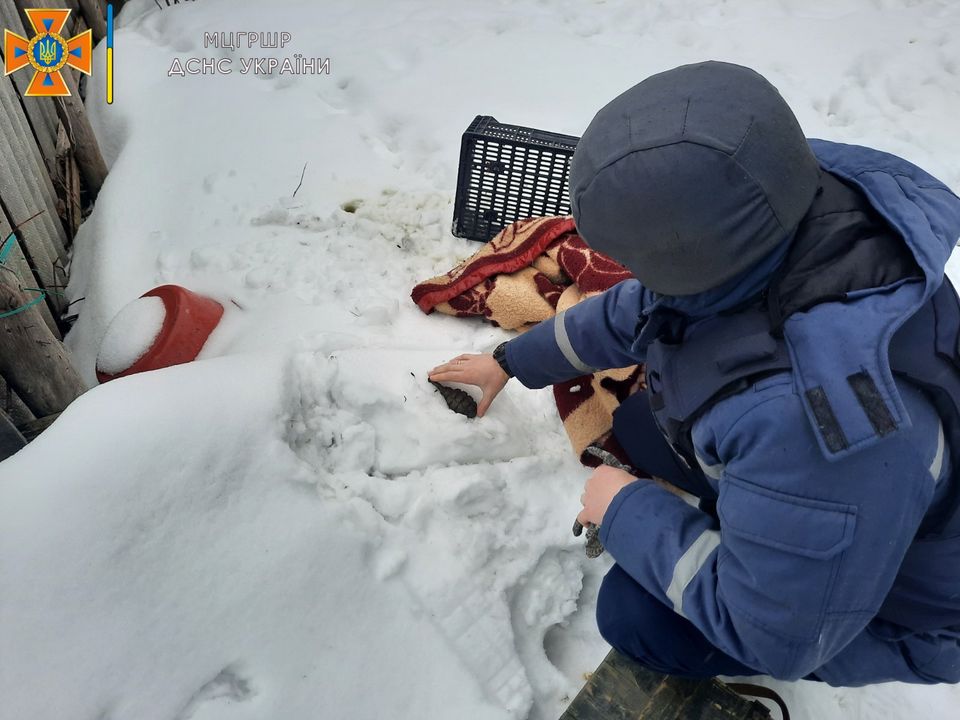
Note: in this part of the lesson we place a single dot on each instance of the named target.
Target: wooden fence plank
(46, 146)
(18, 123)
(30, 430)
(13, 406)
(35, 241)
(66, 180)
(13, 13)
(26, 188)
(71, 112)
(46, 270)
(17, 262)
(96, 18)
(67, 4)
(24, 152)
(86, 150)
(33, 362)
(24, 164)
(73, 115)
(74, 21)
(40, 111)
(11, 441)
(22, 5)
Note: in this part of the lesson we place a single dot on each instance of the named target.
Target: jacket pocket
(780, 555)
(815, 529)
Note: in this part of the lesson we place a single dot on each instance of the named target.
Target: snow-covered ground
(296, 526)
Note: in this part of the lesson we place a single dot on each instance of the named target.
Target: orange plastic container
(189, 320)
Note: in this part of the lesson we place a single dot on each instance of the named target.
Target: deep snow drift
(296, 526)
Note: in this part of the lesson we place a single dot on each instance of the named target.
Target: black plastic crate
(508, 173)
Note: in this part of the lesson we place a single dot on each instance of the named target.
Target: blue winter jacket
(809, 545)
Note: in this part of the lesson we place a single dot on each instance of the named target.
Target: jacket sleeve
(805, 550)
(595, 334)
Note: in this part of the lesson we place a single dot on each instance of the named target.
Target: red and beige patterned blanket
(530, 271)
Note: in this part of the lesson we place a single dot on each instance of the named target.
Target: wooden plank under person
(621, 689)
(32, 361)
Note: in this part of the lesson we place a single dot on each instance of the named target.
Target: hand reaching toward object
(479, 370)
(599, 491)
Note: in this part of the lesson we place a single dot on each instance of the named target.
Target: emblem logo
(48, 52)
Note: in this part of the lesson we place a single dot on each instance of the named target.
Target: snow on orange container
(146, 335)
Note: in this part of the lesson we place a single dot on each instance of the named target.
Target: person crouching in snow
(801, 350)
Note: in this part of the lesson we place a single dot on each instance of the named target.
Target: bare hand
(480, 370)
(599, 491)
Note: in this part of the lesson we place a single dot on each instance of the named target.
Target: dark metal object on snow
(457, 400)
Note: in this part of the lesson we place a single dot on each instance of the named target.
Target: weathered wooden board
(26, 187)
(67, 4)
(32, 361)
(95, 15)
(11, 440)
(30, 430)
(17, 262)
(43, 237)
(46, 269)
(47, 151)
(72, 113)
(88, 154)
(66, 180)
(70, 110)
(23, 165)
(622, 689)
(13, 406)
(40, 111)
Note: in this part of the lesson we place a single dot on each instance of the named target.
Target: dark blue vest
(843, 249)
(726, 354)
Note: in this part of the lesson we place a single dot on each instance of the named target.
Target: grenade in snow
(457, 400)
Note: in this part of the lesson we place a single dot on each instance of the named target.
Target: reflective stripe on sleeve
(714, 472)
(689, 565)
(563, 342)
(937, 465)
